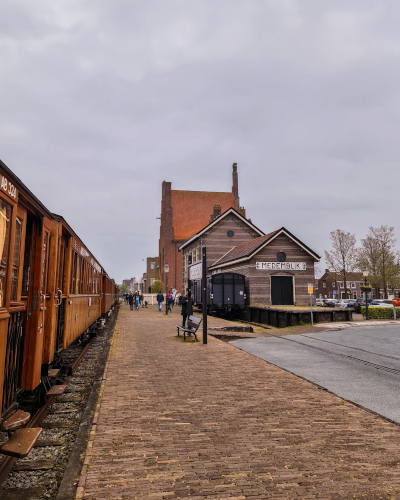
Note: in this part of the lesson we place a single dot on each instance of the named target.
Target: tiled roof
(191, 210)
(338, 277)
(245, 249)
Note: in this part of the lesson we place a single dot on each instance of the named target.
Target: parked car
(361, 303)
(320, 302)
(344, 303)
(330, 303)
(381, 303)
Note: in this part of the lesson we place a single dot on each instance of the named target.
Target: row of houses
(331, 286)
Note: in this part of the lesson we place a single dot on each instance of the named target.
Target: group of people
(134, 299)
(172, 299)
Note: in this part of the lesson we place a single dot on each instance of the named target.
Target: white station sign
(282, 266)
(195, 271)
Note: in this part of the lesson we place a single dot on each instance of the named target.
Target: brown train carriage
(51, 288)
(110, 294)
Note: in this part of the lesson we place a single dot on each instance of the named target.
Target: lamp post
(365, 274)
(166, 271)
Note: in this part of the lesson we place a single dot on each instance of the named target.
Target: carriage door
(61, 300)
(281, 290)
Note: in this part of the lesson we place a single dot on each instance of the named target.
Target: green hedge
(381, 312)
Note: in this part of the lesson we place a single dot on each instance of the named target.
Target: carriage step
(53, 372)
(17, 420)
(21, 442)
(56, 390)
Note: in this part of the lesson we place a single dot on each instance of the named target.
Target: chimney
(327, 270)
(235, 186)
(242, 212)
(215, 213)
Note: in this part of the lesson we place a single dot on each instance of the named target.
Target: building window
(323, 285)
(152, 265)
(333, 285)
(341, 285)
(152, 280)
(353, 285)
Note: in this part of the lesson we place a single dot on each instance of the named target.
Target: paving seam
(345, 356)
(349, 347)
(322, 388)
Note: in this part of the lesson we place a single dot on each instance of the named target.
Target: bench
(193, 326)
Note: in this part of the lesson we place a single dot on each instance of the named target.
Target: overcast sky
(100, 101)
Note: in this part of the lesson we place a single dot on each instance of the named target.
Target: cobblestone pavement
(181, 420)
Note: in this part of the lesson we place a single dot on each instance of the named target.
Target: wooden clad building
(224, 232)
(278, 269)
(277, 266)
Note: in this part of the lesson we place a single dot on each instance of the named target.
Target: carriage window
(61, 269)
(5, 214)
(17, 253)
(27, 257)
(73, 272)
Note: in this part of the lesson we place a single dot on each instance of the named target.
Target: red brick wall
(183, 213)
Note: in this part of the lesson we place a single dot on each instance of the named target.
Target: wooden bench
(21, 442)
(193, 326)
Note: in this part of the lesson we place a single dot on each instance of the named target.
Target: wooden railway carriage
(51, 288)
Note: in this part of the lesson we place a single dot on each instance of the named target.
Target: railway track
(39, 475)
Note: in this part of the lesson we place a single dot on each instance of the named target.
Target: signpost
(310, 291)
(204, 291)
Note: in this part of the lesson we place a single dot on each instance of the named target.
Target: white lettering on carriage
(9, 188)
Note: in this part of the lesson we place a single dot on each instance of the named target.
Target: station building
(278, 267)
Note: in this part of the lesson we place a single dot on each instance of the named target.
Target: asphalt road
(352, 364)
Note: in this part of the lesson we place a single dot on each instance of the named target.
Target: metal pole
(366, 300)
(189, 281)
(166, 299)
(312, 321)
(394, 312)
(204, 291)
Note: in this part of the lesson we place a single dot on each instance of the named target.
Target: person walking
(187, 307)
(137, 300)
(130, 300)
(160, 300)
(141, 299)
(169, 300)
(173, 298)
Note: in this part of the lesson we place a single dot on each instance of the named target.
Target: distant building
(183, 214)
(152, 272)
(331, 286)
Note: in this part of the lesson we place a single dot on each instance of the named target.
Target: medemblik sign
(282, 266)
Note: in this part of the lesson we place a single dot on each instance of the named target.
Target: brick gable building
(184, 213)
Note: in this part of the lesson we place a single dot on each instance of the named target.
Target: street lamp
(365, 274)
(166, 271)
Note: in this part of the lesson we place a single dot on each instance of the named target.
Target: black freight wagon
(225, 292)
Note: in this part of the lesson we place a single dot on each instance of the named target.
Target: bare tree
(343, 258)
(379, 255)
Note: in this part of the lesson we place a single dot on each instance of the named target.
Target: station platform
(182, 420)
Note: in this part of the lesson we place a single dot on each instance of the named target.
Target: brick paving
(185, 421)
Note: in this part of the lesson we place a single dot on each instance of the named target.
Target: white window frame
(152, 266)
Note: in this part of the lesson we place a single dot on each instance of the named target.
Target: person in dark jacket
(130, 300)
(187, 307)
(160, 300)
